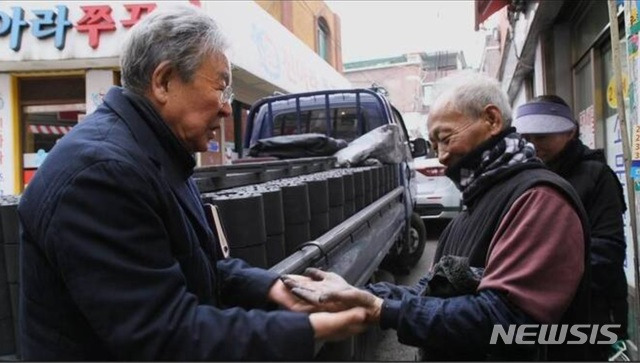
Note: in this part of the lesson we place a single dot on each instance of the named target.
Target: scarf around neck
(490, 161)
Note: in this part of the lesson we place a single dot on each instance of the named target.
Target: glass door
(50, 106)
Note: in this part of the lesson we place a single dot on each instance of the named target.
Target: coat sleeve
(443, 325)
(608, 245)
(110, 245)
(386, 290)
(243, 285)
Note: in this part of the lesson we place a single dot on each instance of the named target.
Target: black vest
(470, 234)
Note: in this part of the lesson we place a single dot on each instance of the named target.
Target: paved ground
(389, 348)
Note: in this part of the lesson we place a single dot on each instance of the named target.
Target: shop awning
(486, 8)
(49, 129)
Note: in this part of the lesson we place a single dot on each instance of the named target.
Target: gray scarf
(490, 160)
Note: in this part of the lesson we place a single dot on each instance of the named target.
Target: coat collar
(151, 133)
(173, 161)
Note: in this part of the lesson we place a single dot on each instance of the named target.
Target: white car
(437, 196)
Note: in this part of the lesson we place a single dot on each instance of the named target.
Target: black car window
(344, 122)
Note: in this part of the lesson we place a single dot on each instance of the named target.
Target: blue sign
(635, 169)
(214, 146)
(47, 24)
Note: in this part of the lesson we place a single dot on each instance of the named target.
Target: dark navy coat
(118, 261)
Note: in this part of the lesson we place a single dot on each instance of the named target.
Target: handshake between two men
(329, 292)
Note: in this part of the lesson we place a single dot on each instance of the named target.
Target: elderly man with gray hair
(515, 255)
(118, 259)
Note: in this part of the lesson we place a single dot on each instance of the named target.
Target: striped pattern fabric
(49, 130)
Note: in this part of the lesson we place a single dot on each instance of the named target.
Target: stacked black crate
(368, 192)
(318, 188)
(349, 193)
(274, 222)
(297, 213)
(381, 185)
(395, 182)
(375, 184)
(9, 286)
(7, 339)
(383, 180)
(336, 198)
(242, 215)
(358, 189)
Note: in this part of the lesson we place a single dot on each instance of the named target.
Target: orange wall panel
(272, 7)
(300, 17)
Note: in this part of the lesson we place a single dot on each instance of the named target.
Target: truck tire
(415, 242)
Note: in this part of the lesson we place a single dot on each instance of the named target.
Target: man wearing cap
(522, 224)
(547, 122)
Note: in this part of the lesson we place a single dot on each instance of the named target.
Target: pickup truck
(347, 115)
(289, 214)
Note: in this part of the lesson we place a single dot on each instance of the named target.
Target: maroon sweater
(530, 273)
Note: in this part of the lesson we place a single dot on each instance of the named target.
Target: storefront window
(50, 107)
(117, 78)
(610, 102)
(583, 85)
(584, 110)
(589, 26)
(323, 39)
(614, 141)
(613, 134)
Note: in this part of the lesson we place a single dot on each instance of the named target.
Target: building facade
(58, 59)
(408, 80)
(491, 54)
(313, 22)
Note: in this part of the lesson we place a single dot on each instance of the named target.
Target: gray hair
(183, 35)
(469, 93)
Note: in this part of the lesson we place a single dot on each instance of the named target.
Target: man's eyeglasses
(444, 141)
(226, 95)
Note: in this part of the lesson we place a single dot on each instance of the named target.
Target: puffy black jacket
(601, 193)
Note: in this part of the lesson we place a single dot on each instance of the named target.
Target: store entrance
(50, 107)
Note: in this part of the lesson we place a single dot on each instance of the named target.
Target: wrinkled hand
(340, 325)
(330, 292)
(315, 286)
(282, 296)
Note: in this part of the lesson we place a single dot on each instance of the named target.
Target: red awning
(49, 129)
(486, 8)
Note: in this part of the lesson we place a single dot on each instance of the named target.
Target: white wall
(539, 86)
(7, 161)
(521, 97)
(97, 83)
